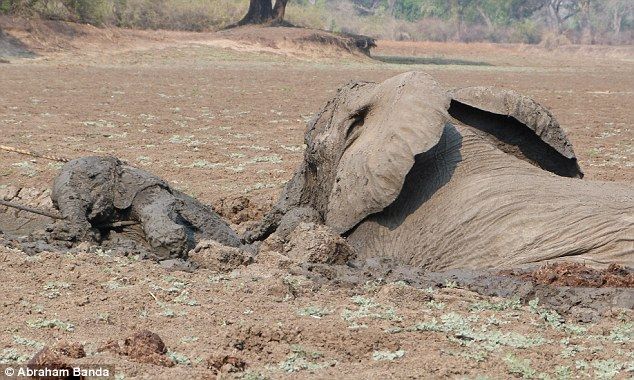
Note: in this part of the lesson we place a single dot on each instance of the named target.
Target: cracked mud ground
(201, 117)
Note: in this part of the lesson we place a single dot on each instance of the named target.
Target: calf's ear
(395, 120)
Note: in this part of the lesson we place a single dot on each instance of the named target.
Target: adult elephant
(477, 177)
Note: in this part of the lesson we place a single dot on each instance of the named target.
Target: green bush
(526, 32)
(5, 6)
(94, 12)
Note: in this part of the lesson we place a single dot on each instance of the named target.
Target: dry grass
(192, 15)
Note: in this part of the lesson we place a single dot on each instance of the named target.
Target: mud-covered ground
(220, 119)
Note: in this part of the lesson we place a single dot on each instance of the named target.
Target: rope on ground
(120, 224)
(30, 209)
(33, 154)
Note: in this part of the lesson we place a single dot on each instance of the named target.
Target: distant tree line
(193, 15)
(584, 20)
(529, 21)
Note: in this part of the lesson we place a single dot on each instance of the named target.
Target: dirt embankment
(25, 38)
(297, 42)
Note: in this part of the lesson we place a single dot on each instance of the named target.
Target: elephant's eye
(356, 126)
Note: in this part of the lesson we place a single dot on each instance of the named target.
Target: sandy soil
(223, 121)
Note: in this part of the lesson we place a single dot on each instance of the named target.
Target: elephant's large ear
(397, 120)
(520, 126)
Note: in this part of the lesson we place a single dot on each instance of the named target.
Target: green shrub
(526, 32)
(5, 6)
(94, 12)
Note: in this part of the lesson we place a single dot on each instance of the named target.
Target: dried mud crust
(143, 347)
(238, 209)
(580, 303)
(579, 275)
(278, 318)
(14, 222)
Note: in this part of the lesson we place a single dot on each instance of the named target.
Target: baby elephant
(92, 192)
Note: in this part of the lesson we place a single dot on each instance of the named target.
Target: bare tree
(457, 8)
(485, 17)
(369, 10)
(390, 6)
(618, 11)
(587, 31)
(561, 10)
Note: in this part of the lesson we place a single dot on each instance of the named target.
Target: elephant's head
(363, 143)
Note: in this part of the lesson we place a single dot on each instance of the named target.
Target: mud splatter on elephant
(476, 177)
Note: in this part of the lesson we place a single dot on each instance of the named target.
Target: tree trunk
(486, 19)
(390, 6)
(259, 12)
(553, 12)
(456, 10)
(278, 10)
(587, 32)
(262, 12)
(617, 20)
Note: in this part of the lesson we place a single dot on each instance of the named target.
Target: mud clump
(258, 336)
(579, 275)
(238, 209)
(210, 254)
(294, 217)
(273, 243)
(56, 358)
(142, 347)
(319, 244)
(226, 364)
(50, 359)
(72, 350)
(144, 343)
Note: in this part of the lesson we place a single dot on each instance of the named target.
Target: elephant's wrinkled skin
(478, 177)
(92, 191)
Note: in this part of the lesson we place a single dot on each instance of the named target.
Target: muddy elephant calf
(94, 191)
